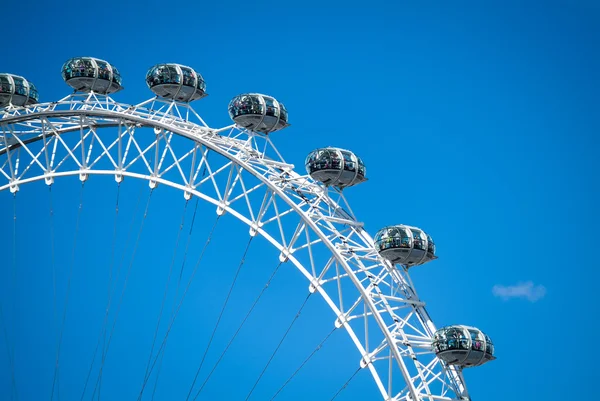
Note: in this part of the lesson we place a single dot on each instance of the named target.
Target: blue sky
(478, 122)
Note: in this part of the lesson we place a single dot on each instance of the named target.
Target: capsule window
(174, 75)
(348, 162)
(430, 245)
(67, 71)
(271, 109)
(237, 106)
(336, 160)
(153, 76)
(5, 85)
(401, 239)
(439, 341)
(33, 93)
(489, 346)
(89, 70)
(20, 88)
(201, 84)
(254, 105)
(162, 75)
(103, 70)
(418, 239)
(390, 239)
(116, 75)
(73, 68)
(323, 161)
(283, 114)
(188, 77)
(311, 161)
(361, 166)
(456, 339)
(477, 340)
(381, 239)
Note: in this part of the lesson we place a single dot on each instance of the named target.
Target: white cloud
(525, 290)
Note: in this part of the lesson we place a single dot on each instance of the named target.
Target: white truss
(243, 174)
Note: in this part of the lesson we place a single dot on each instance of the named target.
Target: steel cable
(179, 305)
(237, 331)
(303, 363)
(345, 384)
(177, 291)
(109, 295)
(105, 349)
(14, 282)
(10, 356)
(64, 317)
(212, 336)
(162, 305)
(278, 346)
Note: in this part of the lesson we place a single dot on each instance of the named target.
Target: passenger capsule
(88, 74)
(177, 82)
(16, 91)
(258, 113)
(463, 346)
(406, 245)
(335, 167)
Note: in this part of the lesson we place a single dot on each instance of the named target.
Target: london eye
(239, 178)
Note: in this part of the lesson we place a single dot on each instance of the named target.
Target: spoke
(345, 384)
(187, 245)
(189, 283)
(162, 305)
(112, 259)
(238, 330)
(157, 375)
(98, 385)
(10, 357)
(64, 316)
(304, 363)
(212, 336)
(11, 353)
(52, 258)
(278, 346)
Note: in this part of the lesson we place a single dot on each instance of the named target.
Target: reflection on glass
(116, 75)
(430, 245)
(20, 88)
(103, 70)
(464, 339)
(283, 114)
(96, 73)
(418, 239)
(33, 93)
(272, 110)
(392, 237)
(5, 85)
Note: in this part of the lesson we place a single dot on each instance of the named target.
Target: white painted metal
(374, 301)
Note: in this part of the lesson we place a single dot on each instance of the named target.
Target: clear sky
(478, 122)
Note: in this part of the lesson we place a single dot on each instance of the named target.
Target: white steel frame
(374, 301)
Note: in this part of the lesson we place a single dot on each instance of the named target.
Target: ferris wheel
(238, 170)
